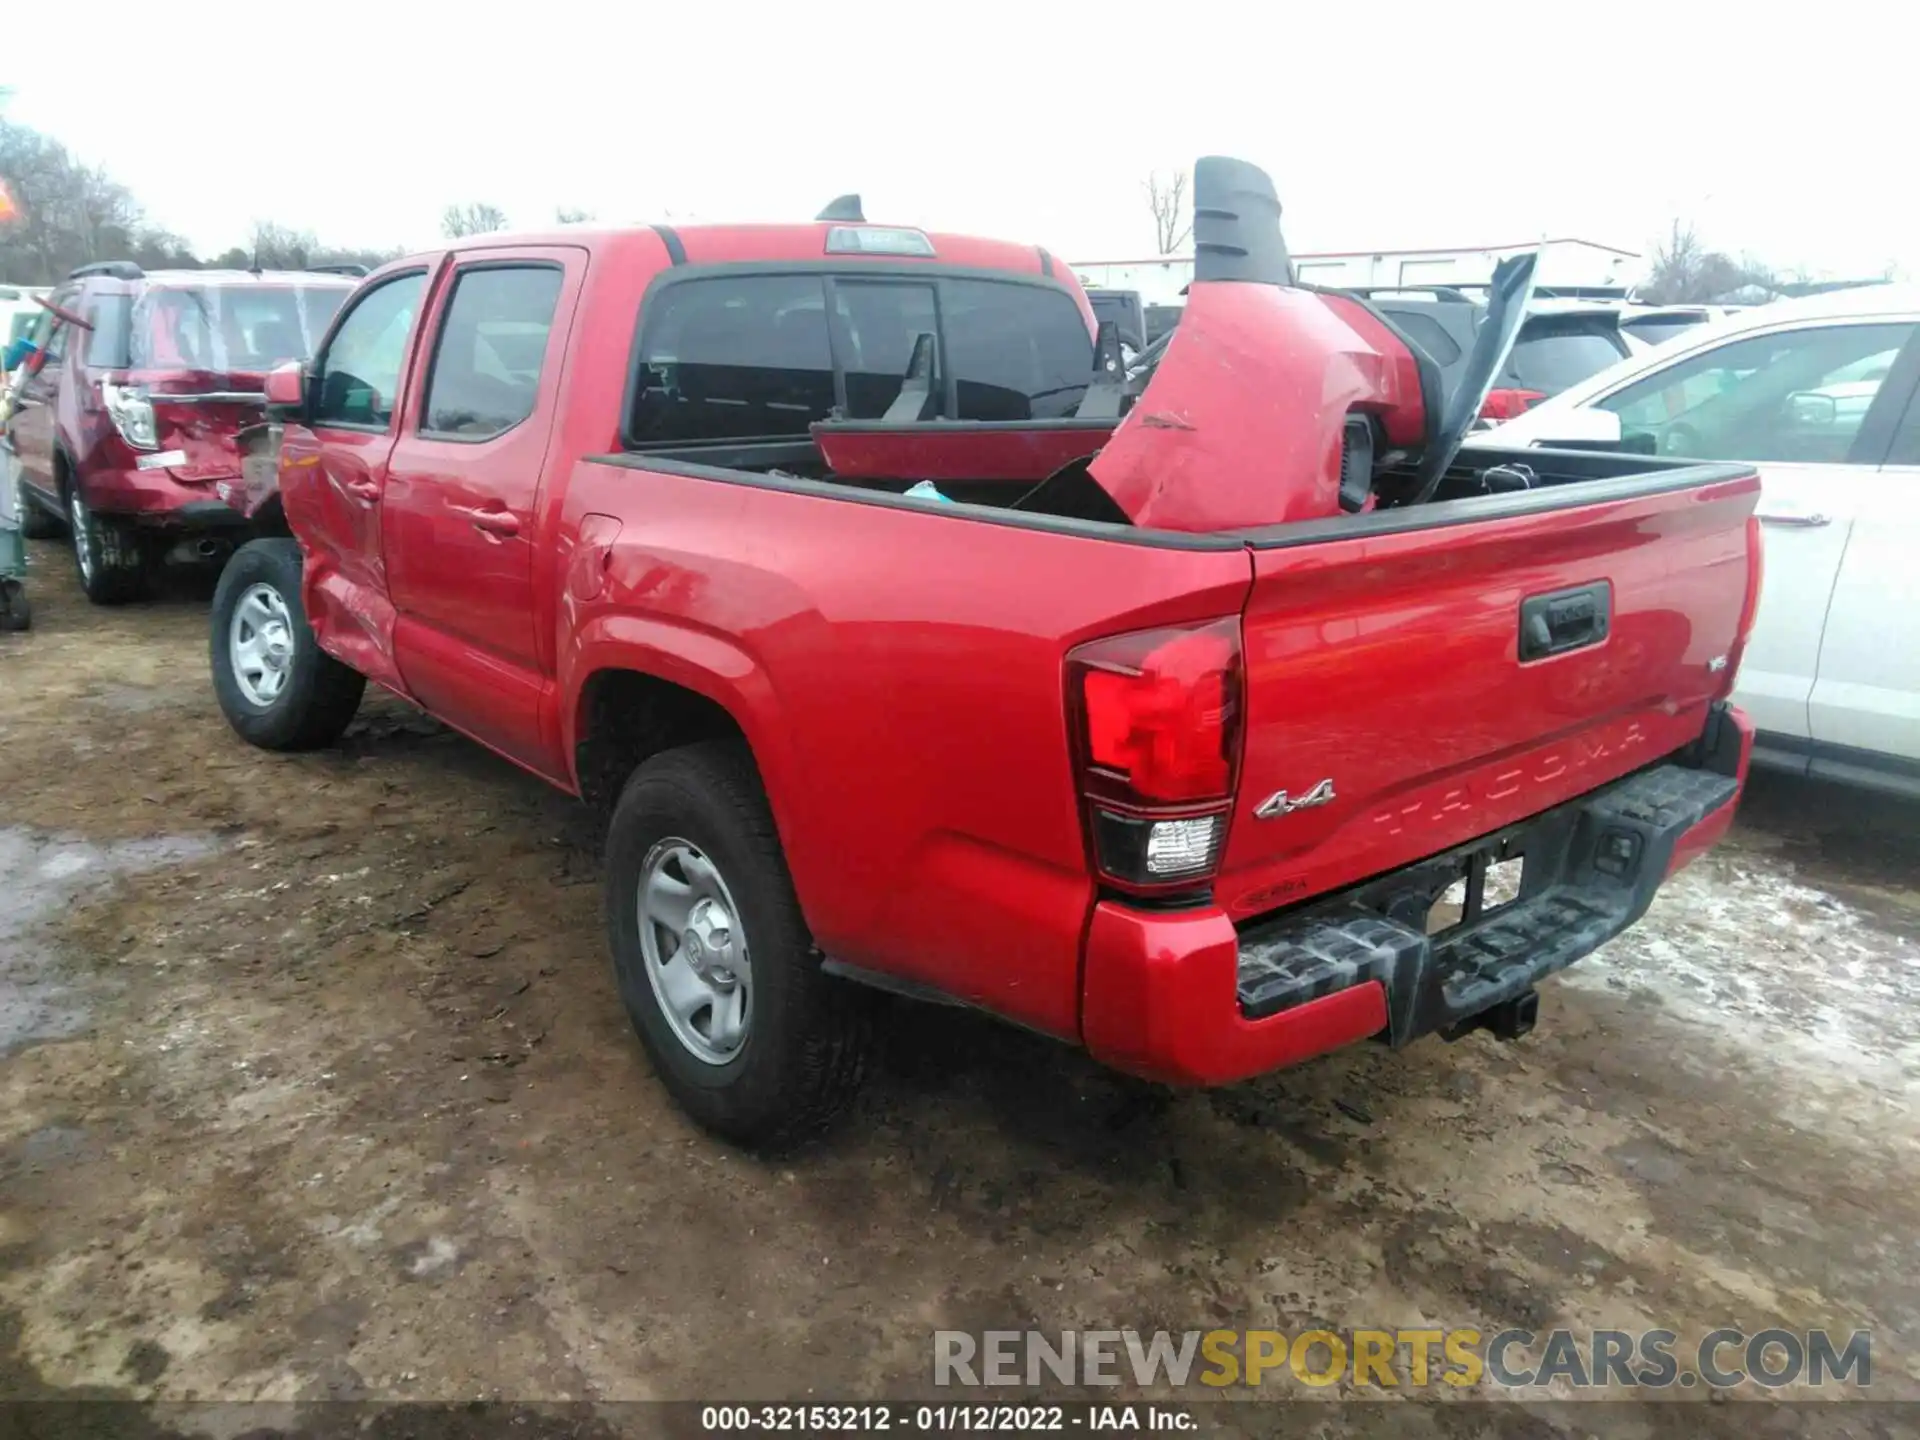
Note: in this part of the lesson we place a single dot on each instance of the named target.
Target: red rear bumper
(155, 497)
(1160, 1001)
(1161, 992)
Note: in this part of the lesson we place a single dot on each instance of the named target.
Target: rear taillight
(1158, 720)
(132, 415)
(1506, 404)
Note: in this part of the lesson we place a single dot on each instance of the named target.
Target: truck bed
(906, 655)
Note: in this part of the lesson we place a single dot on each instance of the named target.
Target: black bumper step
(1591, 869)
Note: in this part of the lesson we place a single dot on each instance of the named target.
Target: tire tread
(332, 690)
(829, 1020)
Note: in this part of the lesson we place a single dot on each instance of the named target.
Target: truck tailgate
(1394, 709)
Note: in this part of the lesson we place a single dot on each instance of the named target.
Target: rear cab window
(736, 357)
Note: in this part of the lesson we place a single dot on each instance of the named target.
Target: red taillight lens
(1158, 713)
(1162, 710)
(1505, 404)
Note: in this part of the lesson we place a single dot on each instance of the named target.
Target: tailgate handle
(1564, 620)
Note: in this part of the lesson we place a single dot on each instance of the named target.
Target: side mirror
(1580, 428)
(1811, 410)
(287, 391)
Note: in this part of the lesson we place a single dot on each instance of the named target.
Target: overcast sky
(1786, 132)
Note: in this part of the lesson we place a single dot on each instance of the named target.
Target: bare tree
(1675, 271)
(1172, 222)
(68, 214)
(280, 247)
(1685, 271)
(568, 215)
(477, 218)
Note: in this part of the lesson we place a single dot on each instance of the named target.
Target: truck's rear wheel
(108, 554)
(276, 686)
(716, 967)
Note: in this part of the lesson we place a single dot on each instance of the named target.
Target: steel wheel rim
(260, 644)
(82, 523)
(695, 951)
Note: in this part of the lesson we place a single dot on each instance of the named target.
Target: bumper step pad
(1591, 869)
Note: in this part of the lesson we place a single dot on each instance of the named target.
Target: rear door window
(765, 356)
(493, 340)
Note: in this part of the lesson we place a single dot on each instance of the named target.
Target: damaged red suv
(125, 425)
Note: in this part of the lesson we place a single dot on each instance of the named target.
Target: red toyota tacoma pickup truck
(1181, 709)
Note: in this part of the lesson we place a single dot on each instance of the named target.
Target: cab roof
(789, 243)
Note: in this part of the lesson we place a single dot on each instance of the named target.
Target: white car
(1823, 395)
(1645, 326)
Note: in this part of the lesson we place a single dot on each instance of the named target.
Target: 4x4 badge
(1280, 803)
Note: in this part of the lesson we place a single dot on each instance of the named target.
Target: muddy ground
(314, 1086)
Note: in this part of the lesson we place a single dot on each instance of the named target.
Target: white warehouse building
(1564, 263)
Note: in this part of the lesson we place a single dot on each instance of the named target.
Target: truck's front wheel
(716, 967)
(276, 686)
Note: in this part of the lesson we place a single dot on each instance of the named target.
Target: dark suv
(1561, 342)
(125, 423)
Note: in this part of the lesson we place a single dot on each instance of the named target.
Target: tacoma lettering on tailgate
(1581, 753)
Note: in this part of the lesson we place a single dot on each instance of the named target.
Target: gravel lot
(313, 1084)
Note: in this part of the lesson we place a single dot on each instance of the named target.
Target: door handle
(491, 522)
(1565, 620)
(1800, 519)
(368, 490)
